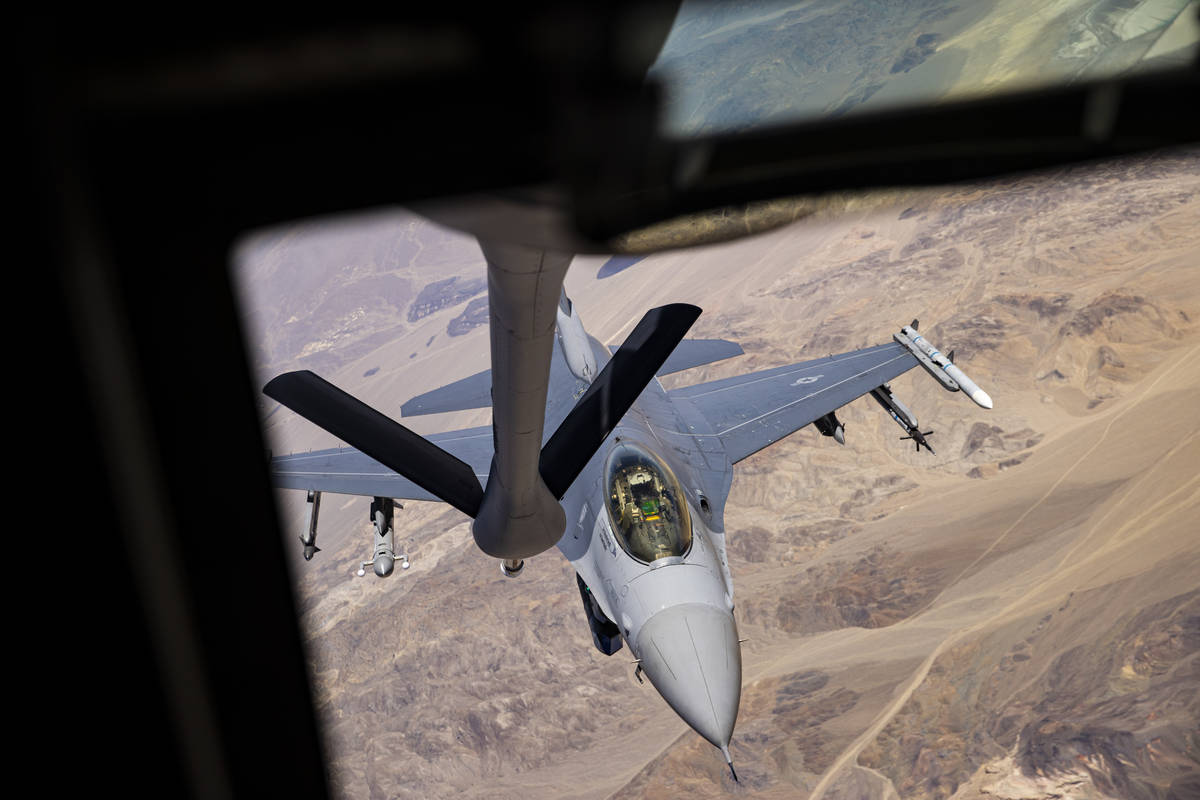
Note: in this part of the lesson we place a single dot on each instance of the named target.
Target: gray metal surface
(752, 411)
(379, 436)
(690, 653)
(696, 353)
(473, 391)
(344, 470)
(519, 517)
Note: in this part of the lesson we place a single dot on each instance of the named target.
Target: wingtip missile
(940, 366)
(969, 387)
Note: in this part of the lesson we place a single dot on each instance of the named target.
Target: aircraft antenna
(729, 761)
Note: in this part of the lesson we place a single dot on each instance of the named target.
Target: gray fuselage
(675, 612)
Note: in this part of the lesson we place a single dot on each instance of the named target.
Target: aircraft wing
(345, 470)
(751, 411)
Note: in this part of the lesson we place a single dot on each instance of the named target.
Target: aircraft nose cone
(690, 653)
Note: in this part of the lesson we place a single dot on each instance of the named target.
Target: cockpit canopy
(645, 505)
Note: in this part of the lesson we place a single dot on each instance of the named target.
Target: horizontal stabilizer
(696, 353)
(474, 391)
(612, 393)
(381, 438)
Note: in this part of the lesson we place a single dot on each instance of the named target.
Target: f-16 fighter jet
(588, 452)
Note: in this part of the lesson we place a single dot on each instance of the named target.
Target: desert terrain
(1017, 616)
(731, 66)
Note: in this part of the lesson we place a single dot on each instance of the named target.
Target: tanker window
(645, 505)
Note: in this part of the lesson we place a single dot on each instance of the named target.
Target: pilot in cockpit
(647, 519)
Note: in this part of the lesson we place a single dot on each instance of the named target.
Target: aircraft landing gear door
(384, 553)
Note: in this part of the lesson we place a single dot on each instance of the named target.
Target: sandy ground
(1150, 525)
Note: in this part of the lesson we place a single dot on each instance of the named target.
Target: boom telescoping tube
(968, 386)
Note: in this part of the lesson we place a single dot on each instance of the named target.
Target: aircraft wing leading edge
(752, 411)
(345, 470)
